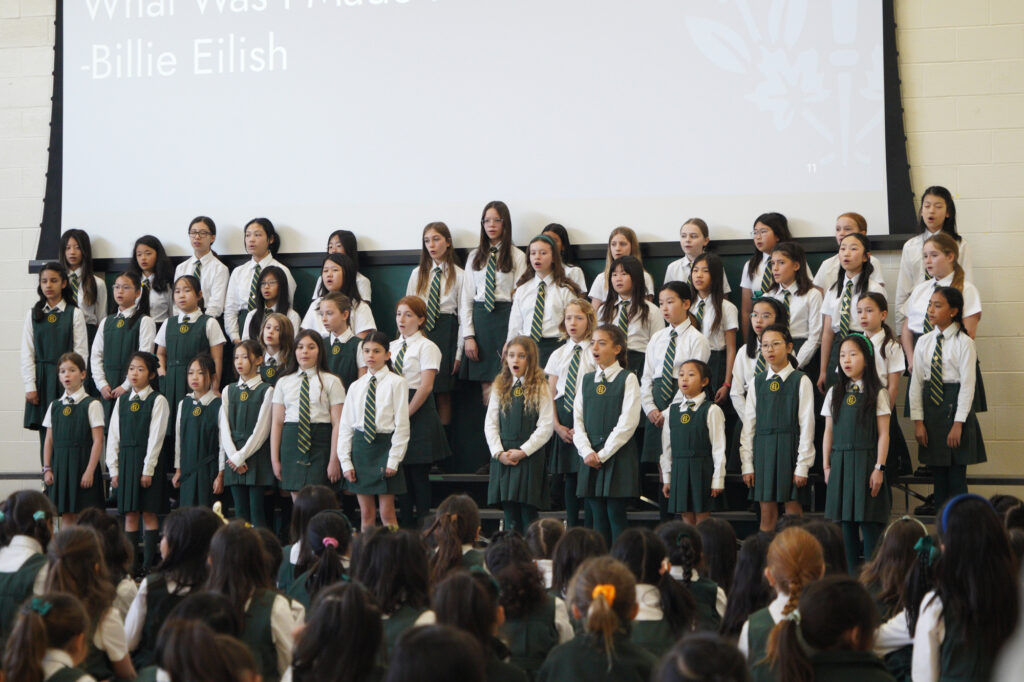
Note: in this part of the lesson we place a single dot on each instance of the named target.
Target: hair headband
(957, 500)
(905, 518)
(545, 238)
(871, 346)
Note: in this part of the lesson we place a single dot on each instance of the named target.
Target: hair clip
(606, 591)
(926, 549)
(3, 517)
(39, 515)
(218, 509)
(40, 606)
(330, 542)
(793, 616)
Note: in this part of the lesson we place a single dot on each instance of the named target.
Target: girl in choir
(417, 359)
(375, 433)
(540, 297)
(262, 243)
(847, 223)
(565, 370)
(769, 230)
(667, 610)
(440, 282)
(518, 426)
(687, 558)
(155, 272)
(131, 329)
(49, 641)
(344, 242)
(717, 318)
(26, 528)
(603, 596)
(605, 416)
(794, 288)
(53, 326)
(628, 309)
(74, 444)
(305, 416)
(298, 556)
(455, 531)
(564, 246)
(341, 344)
(839, 309)
(855, 450)
(669, 348)
(493, 268)
(134, 440)
(277, 343)
(198, 460)
(244, 427)
(942, 396)
(694, 238)
(88, 291)
(693, 446)
(77, 567)
(237, 569)
(272, 296)
(204, 265)
(937, 214)
(622, 242)
(338, 275)
(777, 442)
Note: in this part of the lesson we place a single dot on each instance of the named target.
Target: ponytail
(329, 536)
(51, 621)
(456, 524)
(958, 276)
(602, 619)
(788, 657)
(604, 591)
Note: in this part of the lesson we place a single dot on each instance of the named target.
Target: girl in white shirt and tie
(769, 230)
(338, 274)
(151, 264)
(204, 265)
(89, 291)
(793, 286)
(628, 308)
(262, 243)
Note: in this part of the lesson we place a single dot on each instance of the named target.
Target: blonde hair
(588, 592)
(795, 559)
(535, 384)
(947, 245)
(588, 311)
(634, 250)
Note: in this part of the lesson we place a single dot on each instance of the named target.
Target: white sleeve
(80, 333)
(28, 355)
(716, 432)
(364, 287)
(232, 306)
(147, 333)
(545, 424)
(967, 364)
(466, 301)
(813, 328)
(259, 435)
(430, 356)
(346, 431)
(282, 623)
(335, 391)
(741, 643)
(665, 460)
(515, 318)
(400, 438)
(805, 448)
(562, 622)
(177, 436)
(410, 287)
(110, 636)
(157, 430)
(491, 427)
(362, 319)
(647, 377)
(96, 360)
(747, 435)
(928, 636)
(48, 416)
(921, 361)
(114, 438)
(214, 336)
(736, 392)
(96, 416)
(628, 420)
(161, 335)
(826, 405)
(216, 299)
(721, 601)
(136, 618)
(579, 433)
(905, 284)
(893, 634)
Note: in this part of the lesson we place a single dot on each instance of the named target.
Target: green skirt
(636, 362)
(491, 330)
(564, 457)
(691, 485)
(445, 335)
(301, 469)
(260, 470)
(619, 476)
(774, 467)
(832, 370)
(651, 452)
(48, 388)
(131, 496)
(196, 482)
(66, 493)
(980, 402)
(848, 494)
(525, 483)
(545, 347)
(938, 420)
(427, 441)
(370, 461)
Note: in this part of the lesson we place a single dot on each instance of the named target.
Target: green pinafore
(341, 360)
(776, 437)
(159, 604)
(398, 622)
(53, 335)
(199, 436)
(133, 420)
(243, 412)
(256, 634)
(662, 392)
(854, 451)
(692, 465)
(445, 336)
(15, 588)
(72, 449)
(619, 475)
(938, 420)
(525, 483)
(531, 636)
(120, 340)
(185, 340)
(758, 629)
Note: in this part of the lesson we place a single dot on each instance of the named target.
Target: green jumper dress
(15, 588)
(72, 449)
(445, 336)
(200, 451)
(854, 451)
(67, 675)
(692, 464)
(531, 636)
(133, 421)
(184, 340)
(398, 622)
(705, 593)
(427, 440)
(159, 603)
(654, 636)
(584, 658)
(257, 635)
(850, 666)
(120, 340)
(619, 475)
(565, 458)
(53, 335)
(759, 628)
(525, 483)
(243, 412)
(341, 360)
(776, 438)
(491, 332)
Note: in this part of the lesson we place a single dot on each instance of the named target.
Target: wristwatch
(879, 467)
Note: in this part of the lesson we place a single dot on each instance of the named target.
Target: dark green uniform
(120, 340)
(960, 661)
(133, 425)
(72, 449)
(243, 412)
(938, 420)
(654, 636)
(370, 461)
(299, 591)
(398, 622)
(496, 668)
(474, 558)
(525, 483)
(602, 407)
(445, 336)
(758, 629)
(565, 458)
(341, 360)
(256, 634)
(692, 464)
(270, 373)
(199, 438)
(705, 593)
(854, 452)
(776, 438)
(491, 331)
(286, 571)
(662, 395)
(184, 341)
(531, 636)
(159, 604)
(299, 469)
(67, 675)
(852, 666)
(53, 335)
(15, 588)
(584, 658)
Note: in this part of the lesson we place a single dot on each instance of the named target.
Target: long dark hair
(21, 517)
(281, 305)
(469, 603)
(483, 250)
(349, 285)
(883, 305)
(238, 565)
(557, 268)
(949, 225)
(794, 252)
(117, 550)
(273, 239)
(750, 589)
(456, 523)
(720, 549)
(88, 282)
(53, 625)
(955, 298)
(310, 501)
(866, 418)
(329, 536)
(637, 299)
(703, 656)
(780, 226)
(643, 552)
(381, 339)
(321, 655)
(292, 364)
(886, 573)
(509, 560)
(864, 281)
(188, 532)
(563, 237)
(576, 546)
(392, 564)
(716, 270)
(781, 318)
(163, 270)
(349, 246)
(66, 294)
(77, 567)
(142, 304)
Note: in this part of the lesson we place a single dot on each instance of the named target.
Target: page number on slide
(812, 169)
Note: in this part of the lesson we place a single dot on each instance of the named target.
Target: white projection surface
(380, 116)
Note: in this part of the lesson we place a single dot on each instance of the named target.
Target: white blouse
(959, 365)
(754, 283)
(915, 308)
(558, 364)
(541, 433)
(360, 320)
(292, 316)
(420, 354)
(679, 271)
(690, 345)
(638, 333)
(147, 337)
(742, 374)
(556, 298)
(95, 409)
(213, 279)
(912, 270)
(237, 297)
(832, 305)
(716, 433)
(575, 273)
(624, 427)
(451, 297)
(893, 363)
(883, 407)
(259, 434)
(476, 280)
(325, 391)
(392, 403)
(730, 321)
(804, 318)
(805, 451)
(214, 336)
(79, 342)
(183, 404)
(599, 289)
(95, 312)
(157, 430)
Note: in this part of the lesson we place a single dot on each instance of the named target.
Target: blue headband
(957, 500)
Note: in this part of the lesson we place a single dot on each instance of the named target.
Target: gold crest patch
(335, 350)
(183, 329)
(51, 318)
(271, 372)
(196, 411)
(775, 386)
(518, 392)
(684, 418)
(136, 406)
(244, 396)
(851, 400)
(66, 411)
(601, 389)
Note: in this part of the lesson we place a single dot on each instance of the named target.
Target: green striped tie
(668, 366)
(844, 310)
(766, 279)
(759, 367)
(786, 295)
(434, 299)
(198, 272)
(699, 315)
(489, 280)
(254, 286)
(690, 405)
(304, 433)
(400, 359)
(569, 398)
(370, 412)
(537, 326)
(928, 326)
(935, 377)
(623, 321)
(74, 286)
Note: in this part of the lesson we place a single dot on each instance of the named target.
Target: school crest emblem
(120, 323)
(775, 386)
(51, 318)
(518, 392)
(684, 418)
(66, 411)
(601, 389)
(335, 349)
(271, 372)
(851, 400)
(136, 406)
(196, 411)
(183, 329)
(244, 396)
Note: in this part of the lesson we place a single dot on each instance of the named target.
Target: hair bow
(39, 515)
(926, 549)
(606, 591)
(40, 606)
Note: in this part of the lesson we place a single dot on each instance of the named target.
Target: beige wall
(962, 65)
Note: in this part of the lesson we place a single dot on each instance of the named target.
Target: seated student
(720, 548)
(437, 653)
(541, 537)
(117, 552)
(48, 642)
(750, 591)
(455, 530)
(195, 652)
(576, 546)
(686, 554)
(703, 657)
(329, 536)
(26, 527)
(298, 556)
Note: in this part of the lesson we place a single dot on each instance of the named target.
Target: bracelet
(45, 469)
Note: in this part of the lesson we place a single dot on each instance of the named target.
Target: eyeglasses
(124, 287)
(199, 233)
(268, 283)
(773, 345)
(762, 316)
(760, 233)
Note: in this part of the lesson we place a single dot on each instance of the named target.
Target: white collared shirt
(95, 409)
(157, 430)
(189, 400)
(160, 302)
(832, 305)
(260, 432)
(754, 282)
(638, 333)
(894, 361)
(214, 336)
(828, 272)
(804, 318)
(915, 308)
(284, 616)
(93, 313)
(679, 271)
(690, 345)
(805, 451)
(720, 597)
(929, 633)
(135, 620)
(883, 408)
(363, 286)
(556, 298)
(599, 289)
(716, 434)
(541, 432)
(624, 427)
(959, 365)
(421, 354)
(213, 280)
(392, 403)
(558, 364)
(775, 608)
(20, 549)
(292, 316)
(147, 337)
(575, 273)
(730, 321)
(237, 298)
(742, 374)
(55, 660)
(109, 635)
(451, 297)
(648, 601)
(325, 391)
(912, 270)
(79, 342)
(475, 281)
(360, 319)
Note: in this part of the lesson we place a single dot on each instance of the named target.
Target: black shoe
(923, 470)
(926, 509)
(485, 470)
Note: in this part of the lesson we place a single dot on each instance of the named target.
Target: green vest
(601, 410)
(689, 439)
(53, 335)
(286, 571)
(269, 374)
(15, 588)
(848, 432)
(257, 636)
(474, 558)
(619, 476)
(134, 434)
(399, 621)
(850, 666)
(72, 449)
(516, 424)
(72, 432)
(531, 636)
(778, 411)
(184, 340)
(242, 418)
(584, 658)
(963, 662)
(159, 604)
(759, 627)
(120, 340)
(341, 360)
(199, 437)
(653, 635)
(705, 593)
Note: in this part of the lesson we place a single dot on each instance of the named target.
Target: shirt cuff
(393, 463)
(801, 470)
(718, 483)
(917, 415)
(604, 455)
